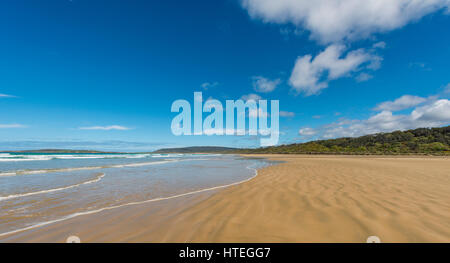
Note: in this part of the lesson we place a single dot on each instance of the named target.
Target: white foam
(102, 156)
(6, 174)
(128, 204)
(139, 164)
(9, 159)
(6, 157)
(97, 179)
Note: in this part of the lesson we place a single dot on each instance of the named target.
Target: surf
(41, 224)
(95, 180)
(42, 171)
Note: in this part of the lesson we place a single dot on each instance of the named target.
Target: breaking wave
(13, 157)
(95, 180)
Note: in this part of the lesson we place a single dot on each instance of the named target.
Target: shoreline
(68, 217)
(306, 198)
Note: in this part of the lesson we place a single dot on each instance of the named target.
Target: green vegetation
(435, 141)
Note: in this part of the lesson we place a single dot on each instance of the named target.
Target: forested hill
(419, 141)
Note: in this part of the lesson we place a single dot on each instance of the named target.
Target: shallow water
(47, 187)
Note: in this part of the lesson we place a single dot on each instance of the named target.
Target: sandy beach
(302, 199)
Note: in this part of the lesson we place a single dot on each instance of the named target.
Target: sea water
(40, 188)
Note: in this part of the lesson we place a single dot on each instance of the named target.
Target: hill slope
(418, 141)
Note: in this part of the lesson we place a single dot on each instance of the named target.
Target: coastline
(306, 198)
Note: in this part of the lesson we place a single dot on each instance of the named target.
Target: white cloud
(447, 88)
(286, 32)
(208, 85)
(420, 66)
(363, 76)
(265, 85)
(251, 96)
(106, 128)
(287, 114)
(380, 44)
(438, 112)
(404, 102)
(310, 76)
(6, 96)
(307, 131)
(331, 21)
(375, 62)
(12, 126)
(434, 114)
(334, 22)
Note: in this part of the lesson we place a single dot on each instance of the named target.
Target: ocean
(38, 189)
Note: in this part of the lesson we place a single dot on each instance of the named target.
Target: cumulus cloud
(265, 85)
(334, 22)
(251, 96)
(404, 102)
(12, 126)
(307, 131)
(105, 128)
(437, 112)
(311, 75)
(434, 113)
(331, 21)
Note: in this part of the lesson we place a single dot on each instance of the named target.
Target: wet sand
(303, 199)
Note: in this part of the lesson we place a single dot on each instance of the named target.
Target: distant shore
(60, 151)
(306, 198)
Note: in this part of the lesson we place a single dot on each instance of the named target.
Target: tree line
(435, 141)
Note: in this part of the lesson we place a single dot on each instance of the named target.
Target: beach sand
(303, 199)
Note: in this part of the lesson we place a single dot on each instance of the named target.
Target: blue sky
(103, 74)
